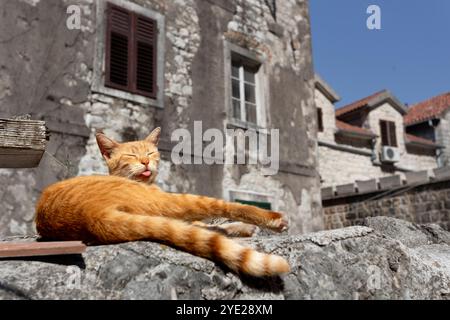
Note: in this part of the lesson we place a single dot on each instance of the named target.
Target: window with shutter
(392, 134)
(130, 52)
(118, 47)
(145, 53)
(388, 134)
(319, 120)
(384, 133)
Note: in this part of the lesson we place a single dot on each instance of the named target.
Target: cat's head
(136, 160)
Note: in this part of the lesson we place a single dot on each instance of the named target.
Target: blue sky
(410, 55)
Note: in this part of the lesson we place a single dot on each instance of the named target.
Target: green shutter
(262, 205)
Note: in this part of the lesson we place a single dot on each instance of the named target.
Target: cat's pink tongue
(146, 173)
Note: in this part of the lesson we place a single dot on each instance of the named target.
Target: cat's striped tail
(117, 226)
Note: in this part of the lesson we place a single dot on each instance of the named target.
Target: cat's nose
(144, 161)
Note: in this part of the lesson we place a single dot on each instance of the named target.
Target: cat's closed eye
(130, 155)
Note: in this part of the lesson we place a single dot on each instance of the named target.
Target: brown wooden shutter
(319, 120)
(145, 56)
(384, 133)
(118, 48)
(392, 134)
(388, 133)
(131, 52)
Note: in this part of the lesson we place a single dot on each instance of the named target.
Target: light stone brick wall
(443, 137)
(386, 112)
(328, 117)
(337, 167)
(407, 160)
(417, 162)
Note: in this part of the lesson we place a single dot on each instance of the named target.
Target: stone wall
(342, 162)
(443, 137)
(50, 72)
(427, 203)
(385, 259)
(409, 161)
(339, 167)
(328, 116)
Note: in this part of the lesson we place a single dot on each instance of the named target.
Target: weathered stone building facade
(430, 119)
(57, 74)
(352, 139)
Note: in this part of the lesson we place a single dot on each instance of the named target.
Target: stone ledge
(409, 261)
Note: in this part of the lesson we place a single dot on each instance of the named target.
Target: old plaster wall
(44, 71)
(47, 70)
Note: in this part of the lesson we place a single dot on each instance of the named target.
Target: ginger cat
(127, 206)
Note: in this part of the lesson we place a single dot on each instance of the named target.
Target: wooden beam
(22, 143)
(29, 249)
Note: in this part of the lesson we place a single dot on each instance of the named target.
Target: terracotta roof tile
(428, 109)
(354, 129)
(357, 104)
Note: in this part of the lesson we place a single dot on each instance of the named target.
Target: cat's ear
(153, 137)
(105, 144)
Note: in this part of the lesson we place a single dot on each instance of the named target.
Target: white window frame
(242, 98)
(261, 87)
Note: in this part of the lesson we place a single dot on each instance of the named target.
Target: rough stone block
(276, 29)
(390, 182)
(327, 193)
(442, 173)
(367, 186)
(346, 189)
(416, 177)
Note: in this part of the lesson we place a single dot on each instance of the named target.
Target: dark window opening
(131, 52)
(388, 134)
(319, 120)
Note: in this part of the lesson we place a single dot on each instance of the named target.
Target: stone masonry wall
(48, 71)
(429, 203)
(443, 137)
(407, 160)
(338, 167)
(328, 117)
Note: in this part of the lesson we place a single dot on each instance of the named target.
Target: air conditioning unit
(390, 154)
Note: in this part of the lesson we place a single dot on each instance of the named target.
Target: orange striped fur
(127, 206)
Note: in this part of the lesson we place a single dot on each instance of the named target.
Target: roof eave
(326, 89)
(423, 145)
(387, 96)
(423, 120)
(358, 135)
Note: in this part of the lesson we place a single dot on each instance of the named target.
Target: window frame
(253, 60)
(243, 66)
(99, 71)
(320, 127)
(390, 134)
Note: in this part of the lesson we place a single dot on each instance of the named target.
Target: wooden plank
(22, 143)
(29, 249)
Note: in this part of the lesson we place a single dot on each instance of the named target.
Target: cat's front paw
(278, 222)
